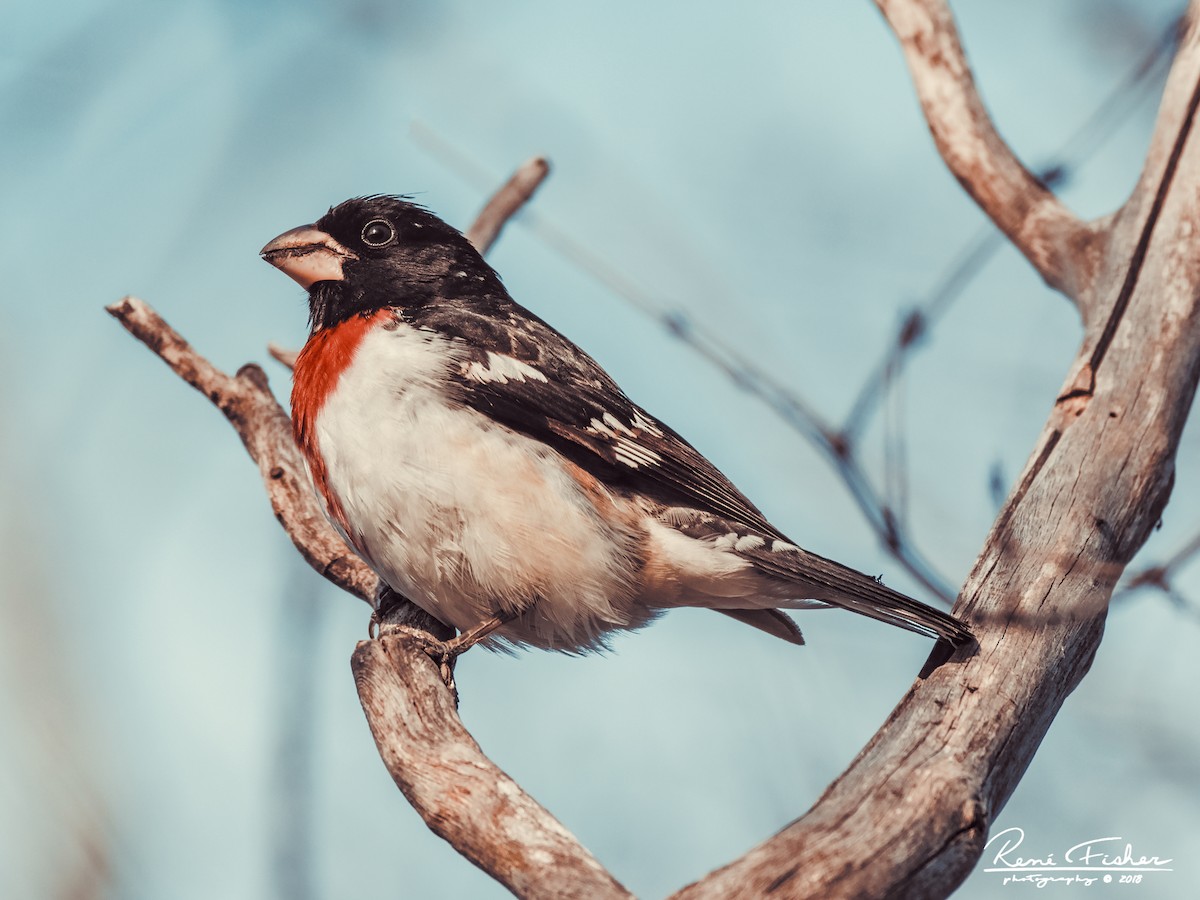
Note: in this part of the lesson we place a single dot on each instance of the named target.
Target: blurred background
(177, 716)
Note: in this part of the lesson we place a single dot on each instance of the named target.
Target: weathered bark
(1031, 216)
(462, 795)
(909, 818)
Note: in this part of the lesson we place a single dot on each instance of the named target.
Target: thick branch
(460, 793)
(266, 431)
(911, 814)
(1052, 239)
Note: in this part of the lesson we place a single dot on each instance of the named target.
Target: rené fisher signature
(1101, 855)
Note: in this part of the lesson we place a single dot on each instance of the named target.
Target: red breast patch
(319, 365)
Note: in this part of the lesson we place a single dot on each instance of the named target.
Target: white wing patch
(634, 455)
(616, 424)
(625, 439)
(502, 369)
(749, 542)
(641, 423)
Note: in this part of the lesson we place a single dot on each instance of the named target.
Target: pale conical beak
(307, 255)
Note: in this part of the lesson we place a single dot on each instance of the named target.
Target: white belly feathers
(462, 515)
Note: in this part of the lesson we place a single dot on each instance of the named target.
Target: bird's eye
(378, 233)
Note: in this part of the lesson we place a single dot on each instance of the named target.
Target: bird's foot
(443, 653)
(394, 614)
(393, 608)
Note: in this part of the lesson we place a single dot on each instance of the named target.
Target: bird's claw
(443, 653)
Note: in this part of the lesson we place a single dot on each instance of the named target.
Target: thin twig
(1158, 575)
(915, 327)
(506, 203)
(283, 354)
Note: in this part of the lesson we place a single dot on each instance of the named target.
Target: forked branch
(1031, 216)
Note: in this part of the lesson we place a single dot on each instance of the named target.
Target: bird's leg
(444, 653)
(386, 603)
(472, 636)
(396, 613)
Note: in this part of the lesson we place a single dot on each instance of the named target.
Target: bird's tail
(772, 621)
(823, 579)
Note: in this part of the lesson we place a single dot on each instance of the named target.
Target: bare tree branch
(461, 794)
(1021, 206)
(506, 203)
(911, 814)
(266, 431)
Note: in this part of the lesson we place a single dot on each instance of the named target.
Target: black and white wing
(524, 374)
(521, 372)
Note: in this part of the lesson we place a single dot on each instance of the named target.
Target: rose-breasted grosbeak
(491, 472)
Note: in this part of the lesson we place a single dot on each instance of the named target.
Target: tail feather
(824, 579)
(783, 575)
(772, 621)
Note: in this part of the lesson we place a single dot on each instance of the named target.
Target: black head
(375, 252)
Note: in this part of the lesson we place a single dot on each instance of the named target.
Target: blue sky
(762, 169)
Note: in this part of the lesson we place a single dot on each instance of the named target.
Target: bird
(493, 474)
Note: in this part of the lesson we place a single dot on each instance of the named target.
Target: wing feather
(524, 374)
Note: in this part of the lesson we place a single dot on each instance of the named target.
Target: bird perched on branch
(492, 473)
